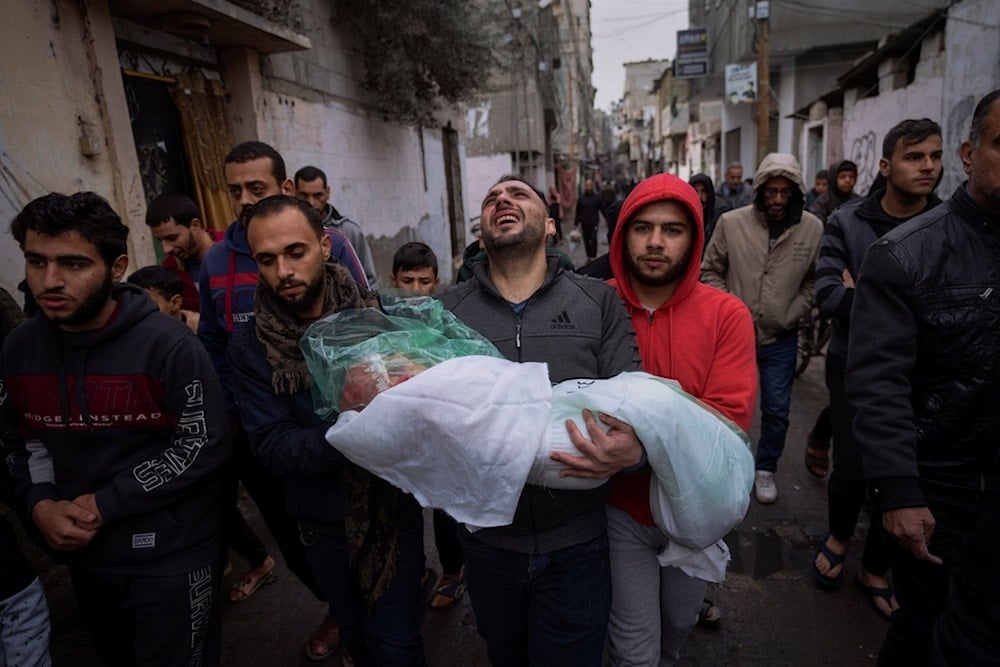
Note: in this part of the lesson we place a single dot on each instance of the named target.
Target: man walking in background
(733, 192)
(589, 207)
(911, 165)
(923, 376)
(311, 185)
(764, 254)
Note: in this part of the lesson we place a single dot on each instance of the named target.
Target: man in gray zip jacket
(541, 586)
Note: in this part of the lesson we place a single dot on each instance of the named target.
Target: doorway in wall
(732, 146)
(814, 151)
(156, 130)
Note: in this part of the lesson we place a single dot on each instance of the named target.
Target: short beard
(512, 245)
(312, 294)
(673, 274)
(91, 307)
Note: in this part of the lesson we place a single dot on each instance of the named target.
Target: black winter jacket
(923, 372)
(849, 232)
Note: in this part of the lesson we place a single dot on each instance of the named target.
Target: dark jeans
(776, 369)
(922, 587)
(589, 234)
(236, 532)
(968, 631)
(390, 634)
(268, 492)
(822, 430)
(148, 620)
(446, 541)
(540, 609)
(846, 491)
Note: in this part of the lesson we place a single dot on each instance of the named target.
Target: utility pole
(761, 13)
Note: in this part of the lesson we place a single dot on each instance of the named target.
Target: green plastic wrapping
(355, 354)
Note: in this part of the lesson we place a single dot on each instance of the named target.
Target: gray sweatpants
(653, 608)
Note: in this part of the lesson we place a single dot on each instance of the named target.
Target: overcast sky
(627, 30)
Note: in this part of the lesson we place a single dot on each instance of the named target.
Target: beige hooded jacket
(776, 285)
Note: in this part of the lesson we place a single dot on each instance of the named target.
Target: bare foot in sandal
(253, 580)
(324, 641)
(449, 590)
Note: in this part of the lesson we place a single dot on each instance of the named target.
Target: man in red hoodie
(703, 338)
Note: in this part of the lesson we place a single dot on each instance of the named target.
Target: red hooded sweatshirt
(701, 336)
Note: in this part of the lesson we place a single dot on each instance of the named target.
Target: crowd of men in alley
(134, 406)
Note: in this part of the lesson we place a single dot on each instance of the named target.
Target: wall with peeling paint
(388, 177)
(955, 70)
(53, 60)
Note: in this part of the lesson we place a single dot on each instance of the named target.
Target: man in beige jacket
(764, 254)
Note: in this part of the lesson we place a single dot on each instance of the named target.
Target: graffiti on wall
(864, 153)
(956, 130)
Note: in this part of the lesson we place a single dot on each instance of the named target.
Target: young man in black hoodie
(911, 165)
(122, 433)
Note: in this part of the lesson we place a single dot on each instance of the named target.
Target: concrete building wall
(972, 54)
(484, 170)
(390, 178)
(376, 171)
(64, 125)
(867, 120)
(57, 134)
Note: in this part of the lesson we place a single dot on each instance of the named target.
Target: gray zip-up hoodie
(580, 328)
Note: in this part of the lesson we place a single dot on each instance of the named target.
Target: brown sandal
(325, 640)
(253, 581)
(451, 588)
(817, 461)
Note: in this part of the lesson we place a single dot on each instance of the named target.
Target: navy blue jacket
(285, 434)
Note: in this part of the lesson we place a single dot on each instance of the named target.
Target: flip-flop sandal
(875, 592)
(816, 464)
(324, 641)
(449, 587)
(709, 615)
(834, 560)
(248, 585)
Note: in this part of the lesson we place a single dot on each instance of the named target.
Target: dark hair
(521, 179)
(413, 256)
(178, 207)
(249, 151)
(823, 173)
(275, 204)
(310, 174)
(908, 132)
(844, 165)
(979, 116)
(163, 280)
(86, 213)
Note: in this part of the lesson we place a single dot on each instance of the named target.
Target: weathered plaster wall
(484, 170)
(388, 177)
(867, 120)
(972, 53)
(56, 65)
